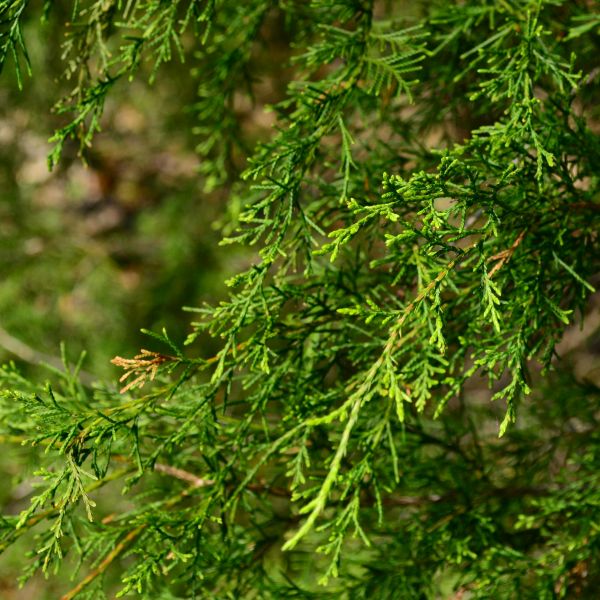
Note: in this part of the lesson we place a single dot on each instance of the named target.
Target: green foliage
(424, 216)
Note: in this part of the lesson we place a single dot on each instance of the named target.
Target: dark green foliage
(424, 215)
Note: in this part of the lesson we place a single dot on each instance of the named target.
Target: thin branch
(108, 560)
(504, 256)
(183, 475)
(34, 357)
(120, 547)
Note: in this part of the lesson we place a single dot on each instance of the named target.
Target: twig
(183, 475)
(29, 355)
(414, 500)
(144, 367)
(504, 256)
(108, 560)
(119, 548)
(584, 205)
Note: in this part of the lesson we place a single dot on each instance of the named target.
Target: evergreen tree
(423, 216)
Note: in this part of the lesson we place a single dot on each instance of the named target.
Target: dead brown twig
(505, 255)
(144, 367)
(183, 475)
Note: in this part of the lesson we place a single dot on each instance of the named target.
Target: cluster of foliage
(424, 215)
